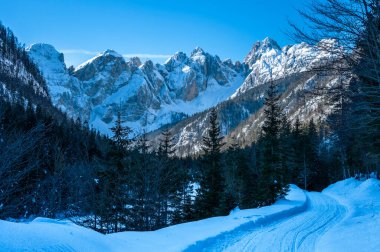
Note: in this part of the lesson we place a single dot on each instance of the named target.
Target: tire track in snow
(296, 233)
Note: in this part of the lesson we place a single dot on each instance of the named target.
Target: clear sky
(149, 28)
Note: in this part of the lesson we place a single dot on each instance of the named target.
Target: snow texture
(44, 234)
(344, 217)
(359, 231)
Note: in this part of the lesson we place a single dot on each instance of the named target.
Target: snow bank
(44, 234)
(179, 237)
(359, 231)
(50, 235)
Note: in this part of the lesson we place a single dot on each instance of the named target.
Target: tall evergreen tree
(211, 184)
(272, 184)
(121, 133)
(298, 150)
(287, 154)
(113, 178)
(169, 178)
(316, 175)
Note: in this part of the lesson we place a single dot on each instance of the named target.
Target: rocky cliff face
(241, 115)
(65, 90)
(180, 91)
(149, 95)
(267, 61)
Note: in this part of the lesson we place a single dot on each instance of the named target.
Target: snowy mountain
(180, 91)
(268, 61)
(63, 88)
(241, 115)
(149, 95)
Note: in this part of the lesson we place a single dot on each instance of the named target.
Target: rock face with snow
(64, 89)
(149, 95)
(241, 115)
(152, 95)
(268, 61)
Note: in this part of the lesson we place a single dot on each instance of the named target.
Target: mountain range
(178, 94)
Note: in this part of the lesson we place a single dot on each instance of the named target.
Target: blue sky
(149, 28)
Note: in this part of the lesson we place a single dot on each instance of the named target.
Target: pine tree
(212, 142)
(113, 178)
(248, 182)
(271, 182)
(211, 184)
(145, 178)
(365, 93)
(121, 133)
(169, 177)
(314, 172)
(287, 154)
(298, 150)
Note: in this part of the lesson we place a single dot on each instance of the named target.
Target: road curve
(295, 233)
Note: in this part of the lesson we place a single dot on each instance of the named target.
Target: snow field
(360, 230)
(344, 217)
(44, 234)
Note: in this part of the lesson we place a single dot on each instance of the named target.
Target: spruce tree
(315, 174)
(114, 178)
(272, 186)
(298, 150)
(211, 184)
(121, 133)
(287, 154)
(212, 142)
(169, 177)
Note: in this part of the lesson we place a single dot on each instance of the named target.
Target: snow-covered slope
(46, 234)
(359, 231)
(149, 95)
(344, 217)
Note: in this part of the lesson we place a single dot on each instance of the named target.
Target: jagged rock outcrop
(241, 115)
(149, 95)
(180, 91)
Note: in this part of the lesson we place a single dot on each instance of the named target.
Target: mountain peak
(175, 60)
(41, 46)
(112, 53)
(135, 61)
(265, 45)
(259, 48)
(45, 50)
(47, 58)
(269, 42)
(98, 58)
(197, 50)
(179, 56)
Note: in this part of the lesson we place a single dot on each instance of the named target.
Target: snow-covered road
(296, 233)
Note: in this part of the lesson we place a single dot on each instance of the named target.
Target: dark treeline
(46, 164)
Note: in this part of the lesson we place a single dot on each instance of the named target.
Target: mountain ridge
(156, 94)
(151, 96)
